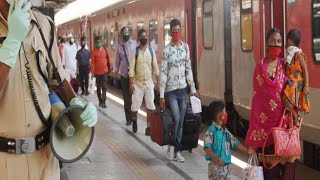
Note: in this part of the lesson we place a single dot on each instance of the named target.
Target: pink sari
(267, 107)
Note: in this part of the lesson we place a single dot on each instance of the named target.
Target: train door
(274, 15)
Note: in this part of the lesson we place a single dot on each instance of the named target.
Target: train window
(140, 26)
(207, 23)
(112, 38)
(316, 29)
(153, 34)
(246, 25)
(130, 29)
(166, 29)
(106, 37)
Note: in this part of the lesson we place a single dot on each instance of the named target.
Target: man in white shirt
(69, 61)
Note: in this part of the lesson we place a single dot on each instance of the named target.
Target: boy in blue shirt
(219, 142)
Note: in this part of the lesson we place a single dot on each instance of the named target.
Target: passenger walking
(142, 67)
(121, 68)
(83, 66)
(100, 66)
(24, 87)
(297, 88)
(219, 142)
(267, 108)
(176, 73)
(69, 57)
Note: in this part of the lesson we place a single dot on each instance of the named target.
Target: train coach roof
(81, 8)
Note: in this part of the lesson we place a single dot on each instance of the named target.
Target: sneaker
(170, 153)
(103, 105)
(179, 157)
(128, 123)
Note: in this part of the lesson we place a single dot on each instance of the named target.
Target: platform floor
(117, 153)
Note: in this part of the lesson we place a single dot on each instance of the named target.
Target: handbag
(286, 141)
(253, 171)
(92, 84)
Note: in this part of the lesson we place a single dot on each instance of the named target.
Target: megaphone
(69, 139)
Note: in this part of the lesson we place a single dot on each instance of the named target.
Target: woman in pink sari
(268, 84)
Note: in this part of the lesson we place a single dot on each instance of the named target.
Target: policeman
(24, 102)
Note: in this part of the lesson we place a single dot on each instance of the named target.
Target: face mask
(224, 118)
(274, 52)
(126, 37)
(143, 41)
(176, 36)
(99, 45)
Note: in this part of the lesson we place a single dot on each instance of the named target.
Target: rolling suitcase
(162, 128)
(191, 128)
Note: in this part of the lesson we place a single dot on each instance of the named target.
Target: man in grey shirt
(121, 68)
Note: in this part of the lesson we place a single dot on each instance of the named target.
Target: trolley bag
(190, 132)
(162, 128)
(75, 84)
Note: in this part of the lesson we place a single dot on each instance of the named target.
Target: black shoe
(128, 123)
(134, 126)
(82, 93)
(103, 105)
(147, 133)
(100, 103)
(87, 93)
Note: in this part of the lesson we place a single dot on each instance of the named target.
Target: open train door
(274, 16)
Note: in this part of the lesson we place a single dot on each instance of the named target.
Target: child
(297, 87)
(219, 142)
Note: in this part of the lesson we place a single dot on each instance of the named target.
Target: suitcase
(191, 130)
(162, 128)
(75, 84)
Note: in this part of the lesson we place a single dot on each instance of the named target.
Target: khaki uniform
(18, 116)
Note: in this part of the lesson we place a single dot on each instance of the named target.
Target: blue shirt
(122, 62)
(220, 141)
(83, 58)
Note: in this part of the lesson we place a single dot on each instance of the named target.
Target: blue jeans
(177, 101)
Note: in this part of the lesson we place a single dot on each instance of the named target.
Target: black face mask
(126, 37)
(143, 41)
(83, 46)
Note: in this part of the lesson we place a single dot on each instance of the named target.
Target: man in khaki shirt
(142, 66)
(20, 40)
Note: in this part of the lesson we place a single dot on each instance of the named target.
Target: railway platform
(117, 153)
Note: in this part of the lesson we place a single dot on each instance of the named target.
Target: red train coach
(227, 39)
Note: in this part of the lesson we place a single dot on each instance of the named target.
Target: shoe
(87, 93)
(179, 157)
(170, 153)
(147, 133)
(128, 123)
(134, 126)
(100, 103)
(82, 93)
(103, 105)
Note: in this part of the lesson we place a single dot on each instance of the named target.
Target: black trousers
(84, 78)
(126, 97)
(101, 81)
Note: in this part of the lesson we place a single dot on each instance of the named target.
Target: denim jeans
(177, 101)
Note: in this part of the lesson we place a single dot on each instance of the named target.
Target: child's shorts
(216, 172)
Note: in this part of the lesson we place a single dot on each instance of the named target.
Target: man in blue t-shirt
(83, 66)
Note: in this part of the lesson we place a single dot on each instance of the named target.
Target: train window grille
(153, 34)
(130, 27)
(112, 38)
(166, 30)
(207, 23)
(316, 29)
(246, 25)
(119, 35)
(106, 40)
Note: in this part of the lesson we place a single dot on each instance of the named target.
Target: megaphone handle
(66, 93)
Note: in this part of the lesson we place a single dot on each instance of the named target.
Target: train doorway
(274, 14)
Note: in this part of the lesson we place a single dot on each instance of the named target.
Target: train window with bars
(246, 25)
(316, 29)
(166, 31)
(153, 34)
(207, 23)
(140, 26)
(106, 40)
(112, 38)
